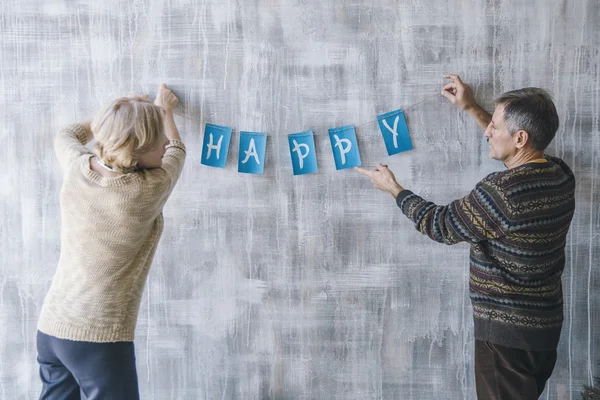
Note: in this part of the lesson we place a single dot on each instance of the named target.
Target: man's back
(515, 279)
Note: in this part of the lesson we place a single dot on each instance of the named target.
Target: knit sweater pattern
(516, 222)
(110, 228)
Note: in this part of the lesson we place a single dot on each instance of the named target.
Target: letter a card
(252, 152)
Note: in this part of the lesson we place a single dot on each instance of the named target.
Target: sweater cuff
(176, 143)
(401, 196)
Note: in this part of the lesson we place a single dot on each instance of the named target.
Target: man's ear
(521, 138)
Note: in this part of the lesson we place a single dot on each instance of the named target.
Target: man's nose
(488, 131)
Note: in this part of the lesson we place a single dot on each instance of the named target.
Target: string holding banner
(426, 99)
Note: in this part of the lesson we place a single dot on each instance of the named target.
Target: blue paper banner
(252, 152)
(215, 145)
(344, 147)
(395, 132)
(302, 150)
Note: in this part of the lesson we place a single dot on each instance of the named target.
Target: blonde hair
(124, 129)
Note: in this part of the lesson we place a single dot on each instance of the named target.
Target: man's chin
(493, 156)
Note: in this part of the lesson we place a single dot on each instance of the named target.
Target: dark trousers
(506, 373)
(72, 370)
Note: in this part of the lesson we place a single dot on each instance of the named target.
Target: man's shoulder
(560, 163)
(496, 180)
(530, 176)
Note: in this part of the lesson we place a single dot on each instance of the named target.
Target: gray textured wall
(284, 287)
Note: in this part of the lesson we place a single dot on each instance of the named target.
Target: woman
(111, 212)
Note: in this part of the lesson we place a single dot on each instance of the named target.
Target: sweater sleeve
(479, 216)
(173, 161)
(70, 143)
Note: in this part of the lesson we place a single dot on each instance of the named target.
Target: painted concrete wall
(284, 287)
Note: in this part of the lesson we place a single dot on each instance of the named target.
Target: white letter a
(251, 152)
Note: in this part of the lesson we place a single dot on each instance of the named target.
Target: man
(516, 222)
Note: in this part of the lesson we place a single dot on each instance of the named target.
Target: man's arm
(482, 117)
(474, 218)
(461, 95)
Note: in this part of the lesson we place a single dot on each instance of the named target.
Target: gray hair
(532, 110)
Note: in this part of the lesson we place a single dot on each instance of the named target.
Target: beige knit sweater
(110, 230)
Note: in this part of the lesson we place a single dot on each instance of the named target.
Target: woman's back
(110, 230)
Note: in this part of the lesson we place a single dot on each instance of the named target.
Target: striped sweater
(516, 222)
